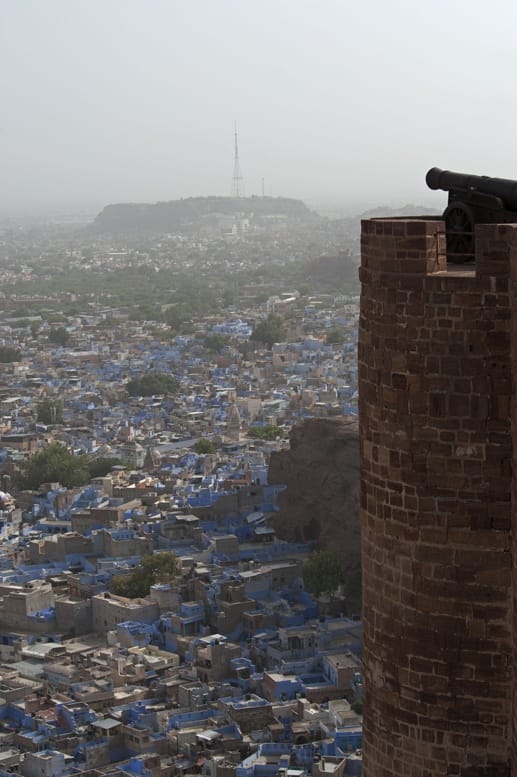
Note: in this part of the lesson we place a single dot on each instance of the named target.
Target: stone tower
(436, 352)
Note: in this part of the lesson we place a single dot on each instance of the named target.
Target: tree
(101, 466)
(157, 568)
(152, 383)
(216, 342)
(145, 312)
(357, 707)
(269, 331)
(228, 297)
(322, 572)
(55, 464)
(176, 315)
(267, 432)
(58, 335)
(8, 354)
(50, 411)
(335, 336)
(205, 446)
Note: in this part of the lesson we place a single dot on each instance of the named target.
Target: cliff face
(321, 502)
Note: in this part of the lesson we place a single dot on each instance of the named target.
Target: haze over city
(342, 104)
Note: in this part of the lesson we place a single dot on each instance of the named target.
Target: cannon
(473, 199)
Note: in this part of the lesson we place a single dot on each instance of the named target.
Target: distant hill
(191, 212)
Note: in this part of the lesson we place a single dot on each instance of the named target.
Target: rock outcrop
(130, 217)
(321, 502)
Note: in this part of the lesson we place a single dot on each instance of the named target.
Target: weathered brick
(441, 406)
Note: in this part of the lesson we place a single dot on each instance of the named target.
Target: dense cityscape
(155, 619)
(258, 408)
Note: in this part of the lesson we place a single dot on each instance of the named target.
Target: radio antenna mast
(237, 184)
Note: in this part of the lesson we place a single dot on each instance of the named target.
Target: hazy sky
(336, 101)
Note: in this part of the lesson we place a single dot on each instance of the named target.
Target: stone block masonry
(437, 348)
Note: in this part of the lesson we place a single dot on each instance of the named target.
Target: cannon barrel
(504, 188)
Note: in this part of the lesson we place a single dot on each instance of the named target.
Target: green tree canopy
(101, 466)
(50, 411)
(335, 336)
(269, 331)
(357, 707)
(58, 335)
(268, 432)
(322, 572)
(177, 315)
(157, 568)
(55, 464)
(152, 383)
(205, 446)
(228, 297)
(216, 342)
(8, 354)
